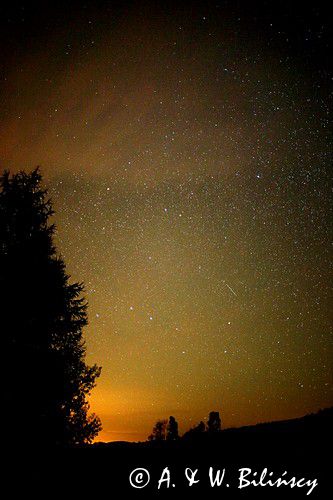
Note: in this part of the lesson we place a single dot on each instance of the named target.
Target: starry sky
(187, 153)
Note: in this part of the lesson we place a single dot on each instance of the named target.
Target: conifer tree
(46, 380)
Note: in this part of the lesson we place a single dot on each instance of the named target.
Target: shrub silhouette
(195, 431)
(42, 316)
(213, 426)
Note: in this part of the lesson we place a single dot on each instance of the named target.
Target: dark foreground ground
(301, 447)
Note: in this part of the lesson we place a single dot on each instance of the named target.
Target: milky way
(187, 154)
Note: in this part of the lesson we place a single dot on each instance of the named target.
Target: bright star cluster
(187, 154)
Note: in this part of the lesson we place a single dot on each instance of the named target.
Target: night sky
(187, 153)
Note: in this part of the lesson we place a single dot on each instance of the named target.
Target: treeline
(167, 430)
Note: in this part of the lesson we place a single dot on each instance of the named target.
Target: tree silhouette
(172, 429)
(47, 381)
(214, 422)
(159, 431)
